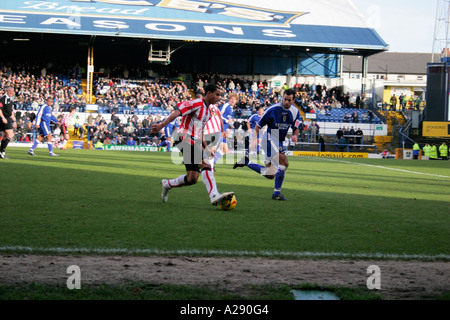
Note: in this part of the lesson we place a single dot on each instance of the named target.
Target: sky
(406, 25)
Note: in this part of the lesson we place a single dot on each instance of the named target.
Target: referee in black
(7, 120)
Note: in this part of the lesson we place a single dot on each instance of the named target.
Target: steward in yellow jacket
(443, 151)
(416, 151)
(427, 150)
(434, 152)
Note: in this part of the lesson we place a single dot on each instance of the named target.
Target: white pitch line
(270, 254)
(388, 168)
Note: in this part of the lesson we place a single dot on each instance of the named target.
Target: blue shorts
(44, 129)
(272, 149)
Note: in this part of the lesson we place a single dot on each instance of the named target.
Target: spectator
(314, 130)
(370, 116)
(321, 144)
(347, 117)
(342, 144)
(339, 134)
(131, 141)
(355, 117)
(365, 117)
(359, 138)
(393, 102)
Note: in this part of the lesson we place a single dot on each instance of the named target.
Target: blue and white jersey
(43, 119)
(227, 113)
(253, 120)
(169, 128)
(45, 115)
(280, 119)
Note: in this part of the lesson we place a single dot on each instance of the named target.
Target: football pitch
(108, 202)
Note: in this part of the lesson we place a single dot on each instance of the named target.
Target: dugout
(249, 37)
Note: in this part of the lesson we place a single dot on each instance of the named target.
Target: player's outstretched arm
(158, 126)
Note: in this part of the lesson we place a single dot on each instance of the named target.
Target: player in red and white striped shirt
(65, 123)
(195, 114)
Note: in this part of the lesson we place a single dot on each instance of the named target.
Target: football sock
(35, 144)
(211, 162)
(210, 182)
(218, 155)
(279, 178)
(50, 147)
(4, 144)
(255, 167)
(177, 182)
(168, 146)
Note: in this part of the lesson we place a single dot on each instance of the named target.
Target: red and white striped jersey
(67, 120)
(215, 123)
(195, 114)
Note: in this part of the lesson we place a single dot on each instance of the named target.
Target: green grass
(156, 292)
(139, 291)
(99, 200)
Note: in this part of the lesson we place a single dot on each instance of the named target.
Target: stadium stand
(140, 102)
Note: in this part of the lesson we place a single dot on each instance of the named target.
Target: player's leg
(268, 171)
(208, 177)
(36, 142)
(188, 179)
(66, 139)
(221, 150)
(209, 180)
(64, 136)
(279, 176)
(213, 152)
(191, 176)
(6, 138)
(50, 146)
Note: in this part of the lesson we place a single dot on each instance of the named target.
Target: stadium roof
(329, 25)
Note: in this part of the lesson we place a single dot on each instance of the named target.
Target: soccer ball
(228, 204)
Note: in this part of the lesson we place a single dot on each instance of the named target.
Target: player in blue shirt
(168, 130)
(251, 124)
(42, 123)
(278, 118)
(226, 110)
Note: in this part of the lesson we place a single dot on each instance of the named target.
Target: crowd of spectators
(321, 100)
(312, 98)
(34, 82)
(116, 94)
